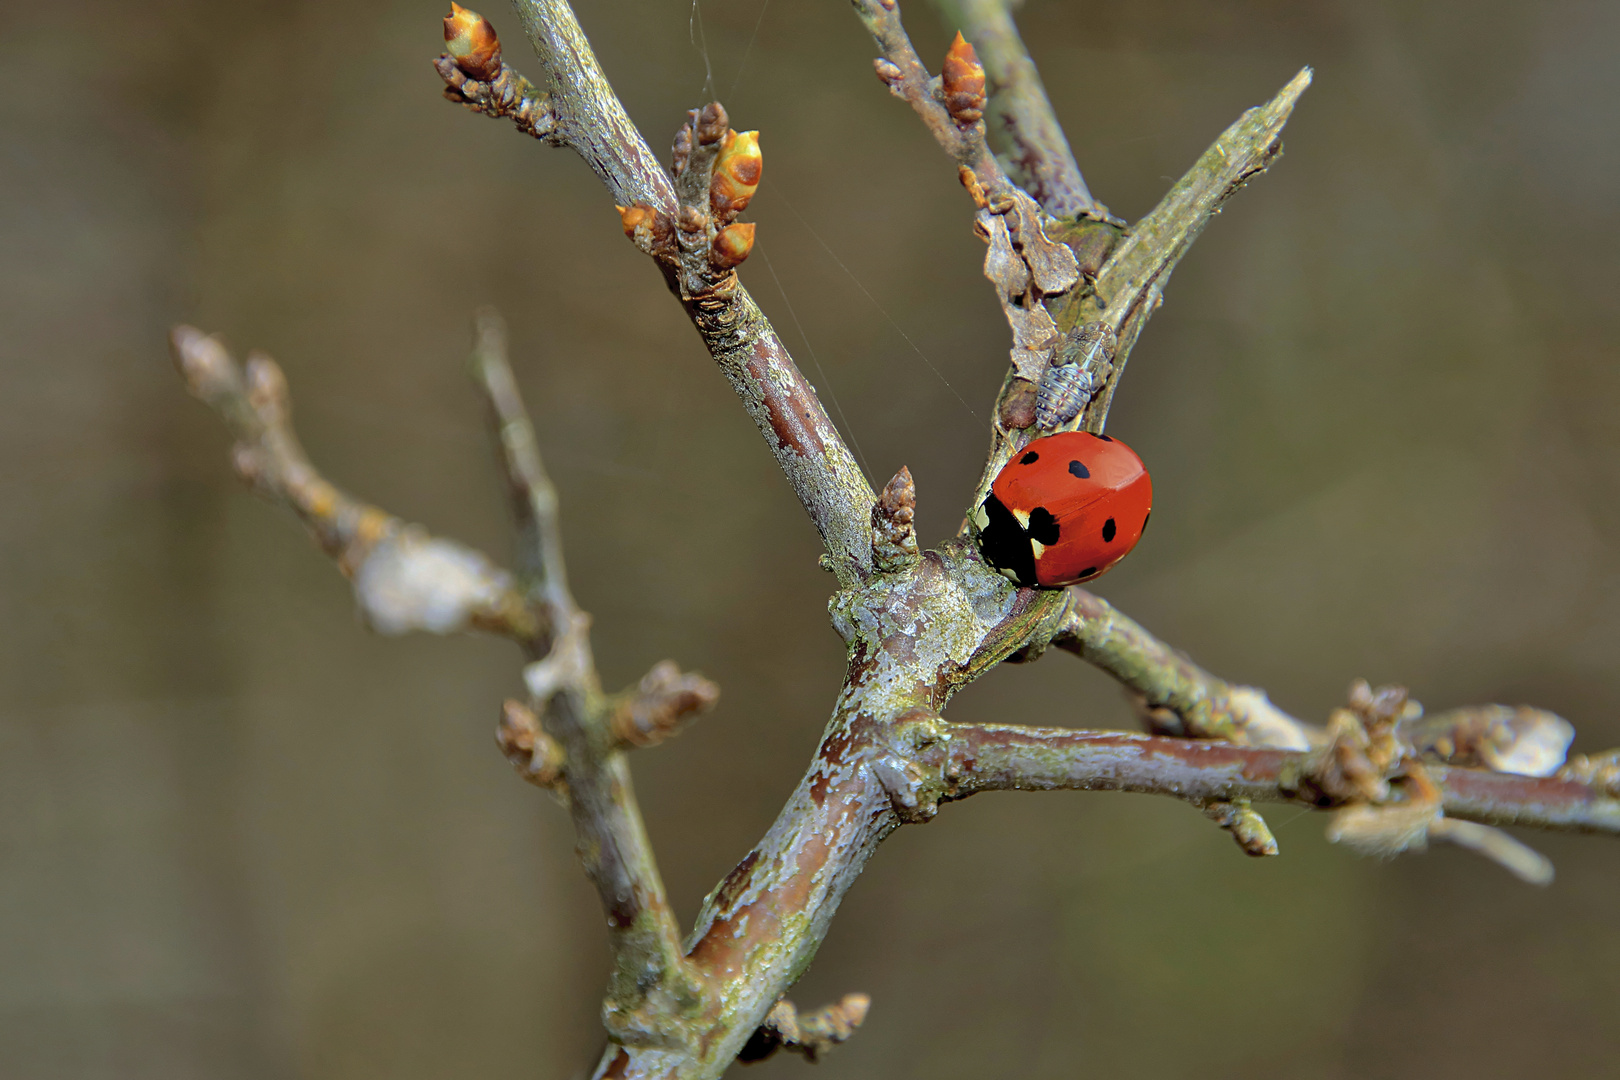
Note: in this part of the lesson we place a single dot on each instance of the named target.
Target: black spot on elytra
(1090, 571)
(1108, 531)
(1106, 438)
(1079, 470)
(1005, 544)
(1029, 459)
(1043, 527)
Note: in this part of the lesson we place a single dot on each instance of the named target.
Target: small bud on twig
(712, 123)
(737, 170)
(732, 245)
(682, 150)
(537, 756)
(649, 229)
(894, 537)
(812, 1034)
(471, 42)
(1247, 827)
(662, 702)
(962, 80)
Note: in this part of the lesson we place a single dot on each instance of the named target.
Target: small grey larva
(1081, 367)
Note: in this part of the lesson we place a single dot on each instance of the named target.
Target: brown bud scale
(682, 150)
(712, 123)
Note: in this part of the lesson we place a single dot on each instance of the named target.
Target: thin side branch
(1008, 757)
(403, 578)
(533, 498)
(1130, 285)
(1020, 122)
(1175, 695)
(653, 991)
(907, 77)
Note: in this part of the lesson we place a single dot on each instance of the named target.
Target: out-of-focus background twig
(241, 837)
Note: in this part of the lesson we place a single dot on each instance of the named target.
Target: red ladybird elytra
(1064, 510)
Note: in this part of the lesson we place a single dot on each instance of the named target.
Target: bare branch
(1130, 286)
(588, 117)
(403, 578)
(533, 498)
(961, 135)
(1124, 272)
(1007, 757)
(653, 992)
(1022, 127)
(1176, 696)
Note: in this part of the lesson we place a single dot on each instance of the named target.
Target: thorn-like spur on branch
(1123, 274)
(475, 76)
(1021, 126)
(403, 578)
(811, 1034)
(1174, 695)
(698, 260)
(1130, 285)
(664, 700)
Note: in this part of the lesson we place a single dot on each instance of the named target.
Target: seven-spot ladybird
(1066, 509)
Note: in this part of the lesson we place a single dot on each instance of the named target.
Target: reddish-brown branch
(1007, 757)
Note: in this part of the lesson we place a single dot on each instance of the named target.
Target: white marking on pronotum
(1023, 518)
(1038, 548)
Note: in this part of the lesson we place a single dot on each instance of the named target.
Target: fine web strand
(866, 293)
(741, 67)
(832, 395)
(700, 42)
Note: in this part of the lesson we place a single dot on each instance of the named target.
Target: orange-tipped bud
(471, 42)
(962, 79)
(737, 170)
(732, 245)
(633, 216)
(647, 228)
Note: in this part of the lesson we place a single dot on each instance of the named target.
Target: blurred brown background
(242, 838)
